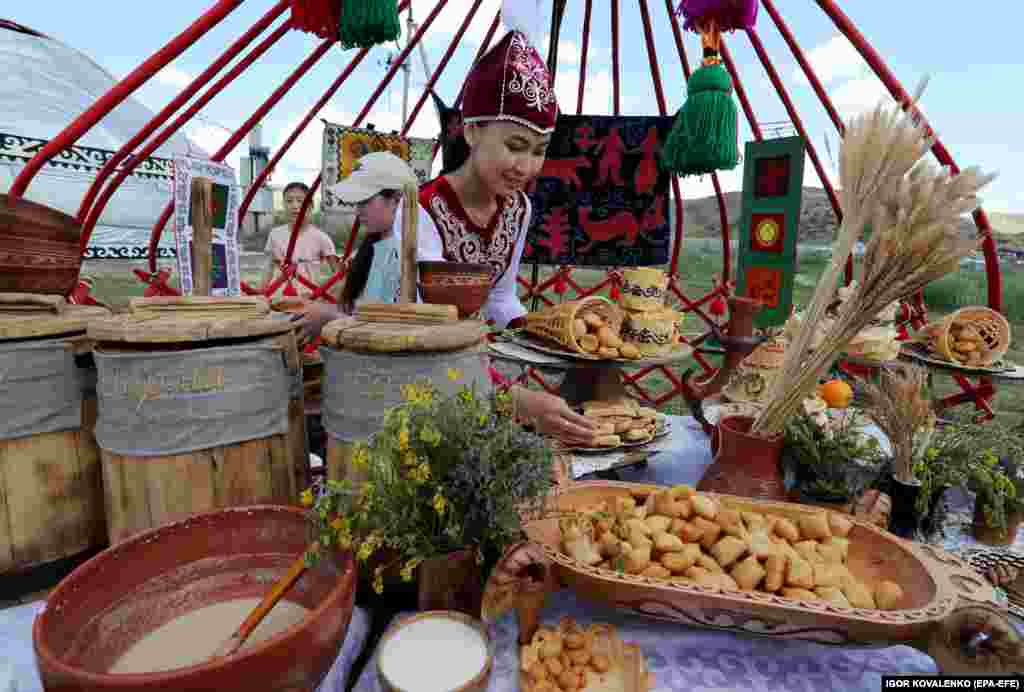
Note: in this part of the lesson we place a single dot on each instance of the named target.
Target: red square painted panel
(767, 232)
(771, 177)
(764, 284)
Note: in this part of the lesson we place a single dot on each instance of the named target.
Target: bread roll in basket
(557, 323)
(974, 336)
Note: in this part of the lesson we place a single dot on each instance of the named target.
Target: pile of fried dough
(575, 658)
(681, 535)
(620, 421)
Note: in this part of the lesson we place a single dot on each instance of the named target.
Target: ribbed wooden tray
(934, 582)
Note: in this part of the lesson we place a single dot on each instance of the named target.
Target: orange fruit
(836, 393)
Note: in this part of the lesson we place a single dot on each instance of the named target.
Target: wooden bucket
(366, 364)
(152, 482)
(51, 487)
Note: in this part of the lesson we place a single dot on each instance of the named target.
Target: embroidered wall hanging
(343, 146)
(226, 279)
(601, 198)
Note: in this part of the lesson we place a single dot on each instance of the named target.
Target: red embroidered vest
(463, 240)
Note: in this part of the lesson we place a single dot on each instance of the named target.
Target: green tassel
(703, 137)
(366, 23)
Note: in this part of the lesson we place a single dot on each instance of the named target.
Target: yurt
(47, 84)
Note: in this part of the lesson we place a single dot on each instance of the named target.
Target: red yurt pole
(97, 209)
(396, 64)
(283, 149)
(429, 88)
(773, 75)
(176, 103)
(741, 93)
(242, 131)
(584, 49)
(885, 75)
(615, 57)
(122, 90)
(801, 59)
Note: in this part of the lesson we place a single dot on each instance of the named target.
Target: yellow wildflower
(454, 374)
(338, 524)
(409, 458)
(307, 497)
(424, 471)
(365, 551)
(431, 436)
(361, 457)
(440, 504)
(378, 580)
(406, 572)
(403, 438)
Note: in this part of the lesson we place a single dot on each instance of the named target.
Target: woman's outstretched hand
(552, 416)
(318, 314)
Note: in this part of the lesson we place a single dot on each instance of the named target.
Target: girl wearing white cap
(376, 187)
(479, 212)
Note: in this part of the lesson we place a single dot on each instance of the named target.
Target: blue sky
(973, 63)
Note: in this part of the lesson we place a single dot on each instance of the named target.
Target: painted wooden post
(773, 179)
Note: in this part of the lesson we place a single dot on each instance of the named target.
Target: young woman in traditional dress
(480, 213)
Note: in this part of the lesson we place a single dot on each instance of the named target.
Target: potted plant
(898, 403)
(965, 453)
(448, 483)
(997, 480)
(831, 464)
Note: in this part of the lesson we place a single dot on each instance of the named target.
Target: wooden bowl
(112, 601)
(464, 285)
(40, 248)
(477, 683)
(933, 582)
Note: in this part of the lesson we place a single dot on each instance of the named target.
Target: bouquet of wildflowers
(443, 474)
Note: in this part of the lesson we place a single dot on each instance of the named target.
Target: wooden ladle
(235, 642)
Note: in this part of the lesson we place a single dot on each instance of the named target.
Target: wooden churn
(370, 356)
(51, 489)
(200, 405)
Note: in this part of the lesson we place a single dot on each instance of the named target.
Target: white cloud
(451, 16)
(174, 76)
(833, 60)
(857, 95)
(596, 97)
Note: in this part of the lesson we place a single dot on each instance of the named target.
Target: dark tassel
(366, 23)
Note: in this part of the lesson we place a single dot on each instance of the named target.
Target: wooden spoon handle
(236, 640)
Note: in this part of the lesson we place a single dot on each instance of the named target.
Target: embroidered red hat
(511, 83)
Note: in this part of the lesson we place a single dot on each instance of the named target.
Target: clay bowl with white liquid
(435, 651)
(156, 607)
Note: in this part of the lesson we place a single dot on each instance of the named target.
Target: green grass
(701, 262)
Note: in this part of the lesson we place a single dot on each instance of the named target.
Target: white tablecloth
(702, 660)
(697, 660)
(17, 656)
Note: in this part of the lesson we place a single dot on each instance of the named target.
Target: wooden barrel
(367, 363)
(51, 487)
(196, 414)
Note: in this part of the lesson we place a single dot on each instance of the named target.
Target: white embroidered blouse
(445, 232)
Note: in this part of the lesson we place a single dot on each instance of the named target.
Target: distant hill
(818, 221)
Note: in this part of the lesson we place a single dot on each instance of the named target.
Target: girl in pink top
(311, 247)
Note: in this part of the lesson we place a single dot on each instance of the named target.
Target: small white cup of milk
(435, 651)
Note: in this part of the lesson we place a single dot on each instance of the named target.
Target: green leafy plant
(834, 461)
(965, 453)
(442, 475)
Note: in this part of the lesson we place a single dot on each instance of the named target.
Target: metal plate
(1002, 369)
(664, 428)
(521, 338)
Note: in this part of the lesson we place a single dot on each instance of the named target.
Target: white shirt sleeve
(503, 305)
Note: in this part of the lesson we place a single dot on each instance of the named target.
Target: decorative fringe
(704, 136)
(366, 23)
(320, 17)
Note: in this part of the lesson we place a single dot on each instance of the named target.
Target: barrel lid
(24, 316)
(201, 306)
(349, 333)
(177, 328)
